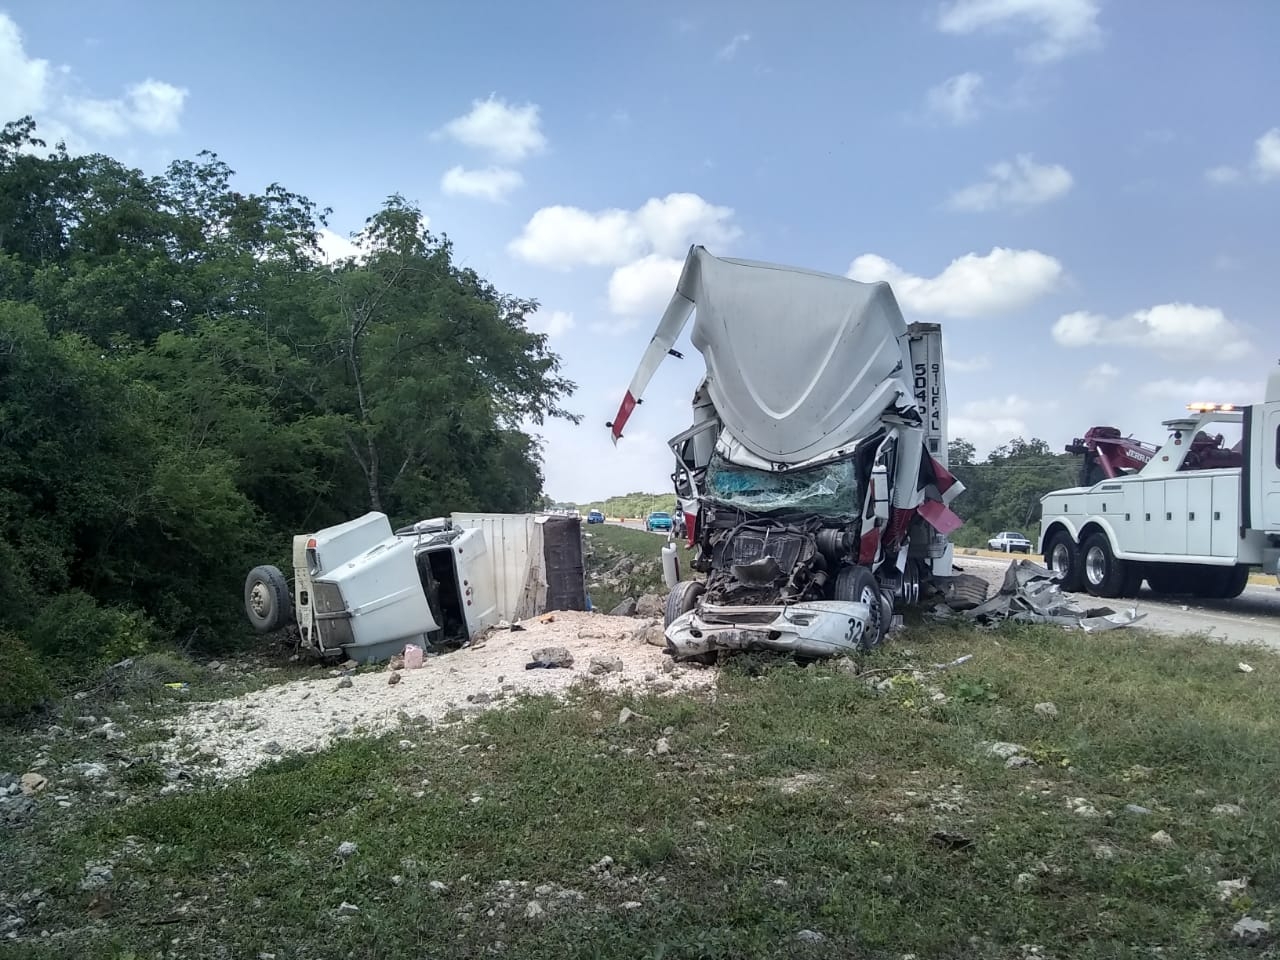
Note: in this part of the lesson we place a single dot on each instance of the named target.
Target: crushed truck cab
(813, 478)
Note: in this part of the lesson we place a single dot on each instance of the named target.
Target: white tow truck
(1193, 516)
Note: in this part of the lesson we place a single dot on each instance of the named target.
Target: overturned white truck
(814, 476)
(363, 591)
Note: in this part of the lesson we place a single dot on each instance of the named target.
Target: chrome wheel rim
(1060, 558)
(258, 599)
(1095, 565)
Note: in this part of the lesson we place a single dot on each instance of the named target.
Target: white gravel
(235, 736)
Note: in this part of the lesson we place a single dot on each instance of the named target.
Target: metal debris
(1031, 593)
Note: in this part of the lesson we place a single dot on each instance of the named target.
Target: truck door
(1200, 516)
(475, 580)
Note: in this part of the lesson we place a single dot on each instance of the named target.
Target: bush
(77, 637)
(23, 684)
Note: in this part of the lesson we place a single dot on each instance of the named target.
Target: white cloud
(645, 286)
(971, 285)
(24, 81)
(155, 106)
(507, 131)
(730, 49)
(955, 99)
(1172, 329)
(1204, 390)
(989, 423)
(564, 237)
(32, 86)
(1020, 184)
(492, 184)
(969, 364)
(1101, 376)
(1266, 154)
(151, 106)
(554, 324)
(1063, 27)
(1222, 174)
(334, 247)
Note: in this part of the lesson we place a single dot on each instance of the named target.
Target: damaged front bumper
(816, 629)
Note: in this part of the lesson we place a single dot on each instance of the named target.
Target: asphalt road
(1253, 617)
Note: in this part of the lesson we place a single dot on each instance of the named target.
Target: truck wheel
(856, 584)
(1164, 582)
(1236, 579)
(266, 599)
(682, 598)
(1104, 575)
(1062, 556)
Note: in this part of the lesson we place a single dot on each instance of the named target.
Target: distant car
(595, 516)
(1010, 542)
(658, 521)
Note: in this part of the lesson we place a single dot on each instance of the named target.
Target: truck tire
(1234, 582)
(682, 598)
(857, 585)
(1165, 579)
(1063, 556)
(1104, 575)
(267, 603)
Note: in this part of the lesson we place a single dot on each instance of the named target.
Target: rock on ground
(651, 605)
(627, 608)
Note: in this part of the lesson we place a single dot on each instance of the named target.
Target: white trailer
(364, 591)
(1181, 528)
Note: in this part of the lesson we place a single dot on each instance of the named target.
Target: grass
(624, 563)
(794, 799)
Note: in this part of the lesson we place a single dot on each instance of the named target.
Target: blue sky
(1085, 193)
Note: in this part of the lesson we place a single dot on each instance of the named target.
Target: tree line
(185, 382)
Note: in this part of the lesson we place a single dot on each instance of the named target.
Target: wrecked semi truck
(1192, 516)
(814, 476)
(362, 591)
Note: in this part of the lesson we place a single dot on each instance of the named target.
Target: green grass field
(795, 813)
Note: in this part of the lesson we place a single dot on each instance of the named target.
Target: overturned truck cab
(814, 477)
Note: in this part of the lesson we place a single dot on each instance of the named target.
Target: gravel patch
(240, 734)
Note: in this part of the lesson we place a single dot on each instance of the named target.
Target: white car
(1010, 542)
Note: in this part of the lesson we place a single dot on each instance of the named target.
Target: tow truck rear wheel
(1222, 583)
(857, 585)
(1062, 556)
(1235, 581)
(1104, 575)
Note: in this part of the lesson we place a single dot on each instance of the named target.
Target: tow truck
(1192, 516)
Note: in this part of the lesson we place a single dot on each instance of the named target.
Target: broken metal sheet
(818, 629)
(1031, 593)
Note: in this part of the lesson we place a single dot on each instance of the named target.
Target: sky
(1084, 193)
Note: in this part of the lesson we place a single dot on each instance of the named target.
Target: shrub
(23, 683)
(75, 636)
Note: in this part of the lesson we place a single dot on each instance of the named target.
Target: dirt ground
(234, 736)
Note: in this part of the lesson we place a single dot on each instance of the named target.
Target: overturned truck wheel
(266, 599)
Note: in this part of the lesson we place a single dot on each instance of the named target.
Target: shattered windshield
(829, 490)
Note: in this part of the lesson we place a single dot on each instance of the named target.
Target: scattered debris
(1136, 810)
(1081, 807)
(950, 841)
(533, 910)
(272, 747)
(438, 887)
(94, 772)
(96, 876)
(1244, 667)
(1024, 882)
(345, 683)
(1003, 750)
(1161, 839)
(625, 714)
(346, 849)
(1019, 761)
(810, 936)
(393, 679)
(1031, 593)
(663, 746)
(347, 909)
(1047, 709)
(550, 658)
(1227, 810)
(1229, 889)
